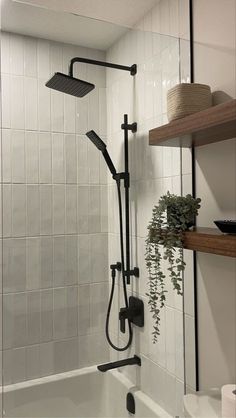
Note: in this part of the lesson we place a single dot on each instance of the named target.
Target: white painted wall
(215, 64)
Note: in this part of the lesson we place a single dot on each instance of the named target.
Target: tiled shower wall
(154, 171)
(54, 196)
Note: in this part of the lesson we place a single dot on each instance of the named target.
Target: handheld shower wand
(101, 146)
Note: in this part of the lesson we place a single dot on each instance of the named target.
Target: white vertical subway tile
(174, 17)
(69, 114)
(104, 208)
(45, 157)
(71, 260)
(16, 54)
(93, 111)
(56, 57)
(44, 106)
(176, 169)
(14, 265)
(82, 116)
(179, 347)
(7, 210)
(33, 210)
(5, 52)
(186, 160)
(187, 184)
(44, 70)
(102, 111)
(20, 319)
(167, 162)
(30, 57)
(94, 209)
(71, 209)
(18, 365)
(94, 163)
(8, 320)
(190, 351)
(58, 162)
(18, 210)
(46, 315)
(70, 159)
(170, 340)
(82, 159)
(59, 313)
(99, 261)
(84, 259)
(57, 111)
(33, 362)
(46, 359)
(31, 103)
(103, 170)
(32, 157)
(58, 209)
(165, 17)
(99, 294)
(18, 157)
(84, 306)
(83, 209)
(84, 351)
(17, 102)
(33, 317)
(71, 311)
(188, 283)
(7, 367)
(59, 261)
(46, 260)
(32, 263)
(45, 210)
(6, 156)
(6, 103)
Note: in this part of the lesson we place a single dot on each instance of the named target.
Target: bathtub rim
(116, 374)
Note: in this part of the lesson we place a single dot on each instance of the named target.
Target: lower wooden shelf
(209, 240)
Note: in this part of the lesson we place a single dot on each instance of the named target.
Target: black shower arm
(132, 69)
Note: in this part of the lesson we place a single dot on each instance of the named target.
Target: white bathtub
(81, 393)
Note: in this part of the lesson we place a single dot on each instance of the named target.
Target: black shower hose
(123, 281)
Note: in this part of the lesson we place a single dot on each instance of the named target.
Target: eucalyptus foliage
(170, 218)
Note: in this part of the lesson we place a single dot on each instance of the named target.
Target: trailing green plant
(170, 218)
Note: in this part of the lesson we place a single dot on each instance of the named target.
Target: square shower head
(69, 85)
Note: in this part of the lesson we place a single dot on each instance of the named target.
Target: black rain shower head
(101, 146)
(79, 88)
(69, 85)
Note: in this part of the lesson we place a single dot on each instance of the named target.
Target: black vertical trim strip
(191, 27)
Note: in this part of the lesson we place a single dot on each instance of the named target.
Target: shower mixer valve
(135, 313)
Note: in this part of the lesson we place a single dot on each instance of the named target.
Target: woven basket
(186, 99)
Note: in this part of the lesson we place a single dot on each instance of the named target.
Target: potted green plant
(170, 218)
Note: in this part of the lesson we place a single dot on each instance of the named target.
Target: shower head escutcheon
(79, 88)
(101, 146)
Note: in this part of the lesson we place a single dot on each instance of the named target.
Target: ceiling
(90, 23)
(120, 12)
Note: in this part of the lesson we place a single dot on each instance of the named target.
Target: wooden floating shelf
(218, 123)
(210, 240)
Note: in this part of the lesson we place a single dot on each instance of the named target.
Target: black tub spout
(115, 364)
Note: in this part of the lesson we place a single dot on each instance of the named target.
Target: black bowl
(226, 226)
